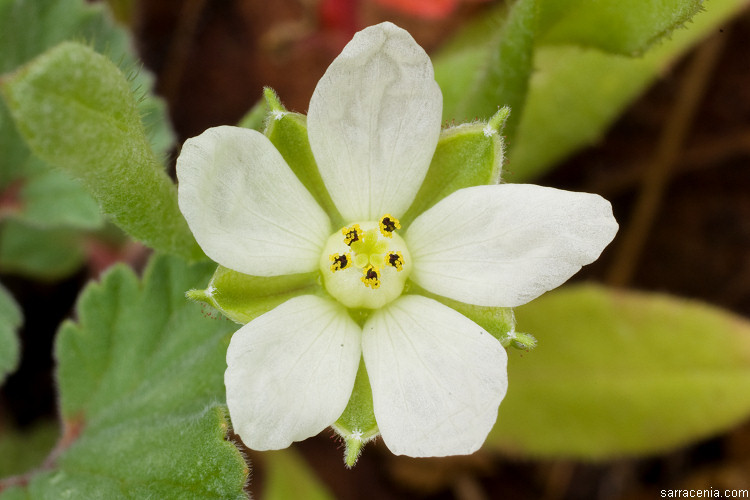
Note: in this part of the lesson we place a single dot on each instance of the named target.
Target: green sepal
(288, 133)
(500, 322)
(466, 155)
(75, 109)
(357, 424)
(522, 341)
(242, 298)
(255, 118)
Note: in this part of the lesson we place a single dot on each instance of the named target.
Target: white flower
(437, 377)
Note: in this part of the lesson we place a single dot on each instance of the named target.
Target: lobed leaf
(141, 384)
(622, 373)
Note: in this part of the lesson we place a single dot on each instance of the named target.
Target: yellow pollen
(362, 268)
(371, 277)
(352, 234)
(388, 224)
(395, 259)
(340, 261)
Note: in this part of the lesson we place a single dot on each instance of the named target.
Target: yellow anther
(340, 261)
(395, 259)
(371, 277)
(352, 234)
(388, 224)
(361, 268)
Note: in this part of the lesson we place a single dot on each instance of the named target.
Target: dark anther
(339, 262)
(371, 277)
(351, 234)
(388, 224)
(394, 259)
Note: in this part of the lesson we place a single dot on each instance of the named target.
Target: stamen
(371, 277)
(352, 234)
(388, 224)
(395, 259)
(361, 268)
(340, 262)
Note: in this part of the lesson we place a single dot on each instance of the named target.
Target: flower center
(366, 264)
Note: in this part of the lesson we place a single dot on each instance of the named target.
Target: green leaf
(622, 373)
(45, 191)
(75, 109)
(140, 376)
(14, 493)
(27, 29)
(10, 321)
(288, 477)
(477, 78)
(43, 254)
(48, 198)
(577, 93)
(288, 132)
(15, 154)
(466, 155)
(627, 28)
(242, 297)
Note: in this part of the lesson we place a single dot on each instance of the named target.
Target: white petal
(374, 122)
(506, 245)
(437, 378)
(246, 208)
(290, 372)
